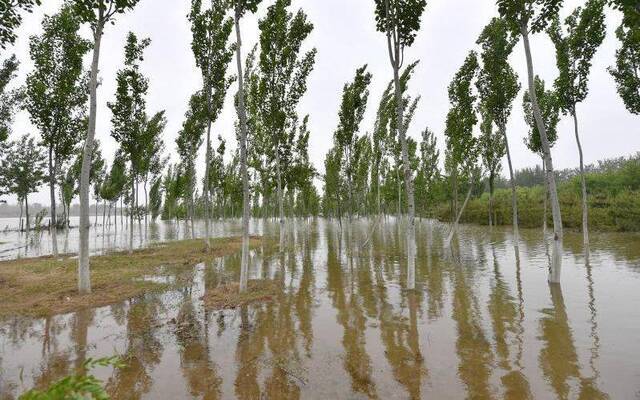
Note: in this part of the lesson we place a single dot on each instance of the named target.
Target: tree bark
(84, 273)
(546, 194)
(491, 179)
(26, 210)
(131, 207)
(207, 161)
(280, 197)
(244, 266)
(53, 226)
(583, 182)
(514, 192)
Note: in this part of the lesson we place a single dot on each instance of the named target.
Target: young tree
(400, 20)
(97, 13)
(129, 116)
(10, 18)
(549, 106)
(529, 17)
(354, 103)
(498, 86)
(427, 170)
(56, 94)
(283, 71)
(585, 31)
(24, 170)
(492, 148)
(462, 146)
(155, 198)
(210, 31)
(151, 163)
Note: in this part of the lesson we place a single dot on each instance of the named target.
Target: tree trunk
(131, 206)
(146, 201)
(546, 194)
(26, 210)
(20, 223)
(84, 273)
(583, 182)
(492, 176)
(454, 228)
(104, 208)
(207, 161)
(244, 266)
(514, 192)
(553, 192)
(53, 227)
(280, 197)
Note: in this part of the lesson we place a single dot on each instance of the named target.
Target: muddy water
(483, 323)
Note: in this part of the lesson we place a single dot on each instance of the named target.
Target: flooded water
(109, 237)
(482, 323)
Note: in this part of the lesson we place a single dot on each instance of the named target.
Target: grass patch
(46, 286)
(229, 296)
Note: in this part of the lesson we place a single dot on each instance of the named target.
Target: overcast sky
(346, 38)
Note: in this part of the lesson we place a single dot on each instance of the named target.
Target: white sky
(346, 38)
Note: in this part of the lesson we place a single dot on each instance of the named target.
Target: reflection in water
(482, 323)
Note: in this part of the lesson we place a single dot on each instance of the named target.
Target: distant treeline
(614, 198)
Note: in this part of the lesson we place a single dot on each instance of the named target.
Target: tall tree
(575, 48)
(129, 116)
(354, 103)
(210, 31)
(283, 71)
(400, 21)
(428, 171)
(529, 17)
(498, 86)
(97, 13)
(151, 164)
(8, 99)
(462, 146)
(56, 94)
(24, 170)
(492, 149)
(10, 18)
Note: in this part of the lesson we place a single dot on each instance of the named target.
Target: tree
(210, 32)
(283, 74)
(462, 146)
(492, 148)
(400, 20)
(354, 103)
(497, 87)
(10, 19)
(625, 72)
(549, 106)
(56, 93)
(8, 99)
(155, 198)
(529, 17)
(151, 163)
(129, 117)
(428, 171)
(24, 170)
(97, 13)
(585, 31)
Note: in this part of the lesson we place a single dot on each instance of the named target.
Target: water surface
(483, 323)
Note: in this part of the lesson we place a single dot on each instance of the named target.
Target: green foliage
(491, 145)
(585, 31)
(428, 173)
(23, 171)
(155, 198)
(77, 386)
(8, 99)
(461, 145)
(627, 66)
(10, 19)
(550, 109)
(497, 82)
(530, 16)
(99, 12)
(56, 89)
(400, 19)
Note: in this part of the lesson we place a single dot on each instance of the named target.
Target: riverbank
(45, 286)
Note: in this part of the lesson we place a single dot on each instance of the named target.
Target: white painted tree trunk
(554, 275)
(583, 182)
(244, 266)
(53, 228)
(514, 192)
(280, 198)
(84, 272)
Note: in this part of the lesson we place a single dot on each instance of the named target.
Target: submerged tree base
(229, 295)
(46, 285)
